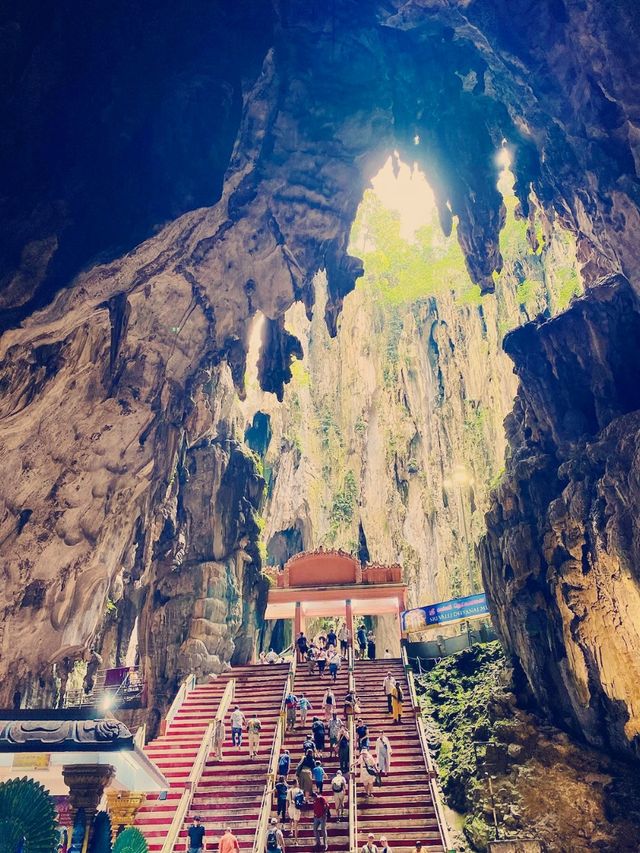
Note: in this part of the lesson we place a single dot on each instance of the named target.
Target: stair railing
(197, 769)
(353, 803)
(432, 773)
(260, 838)
(183, 691)
(353, 793)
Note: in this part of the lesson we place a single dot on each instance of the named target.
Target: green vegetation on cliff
(493, 755)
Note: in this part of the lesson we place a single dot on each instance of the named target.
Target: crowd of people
(333, 648)
(306, 787)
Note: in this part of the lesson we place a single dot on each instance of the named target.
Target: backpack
(298, 800)
(272, 840)
(337, 787)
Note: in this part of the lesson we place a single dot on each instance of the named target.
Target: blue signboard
(446, 611)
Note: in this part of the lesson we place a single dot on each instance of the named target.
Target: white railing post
(259, 839)
(197, 769)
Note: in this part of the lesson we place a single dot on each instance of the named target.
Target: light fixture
(106, 702)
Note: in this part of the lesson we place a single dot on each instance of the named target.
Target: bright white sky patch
(408, 193)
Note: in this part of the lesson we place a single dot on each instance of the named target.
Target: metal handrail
(353, 802)
(432, 773)
(353, 793)
(185, 688)
(259, 839)
(197, 769)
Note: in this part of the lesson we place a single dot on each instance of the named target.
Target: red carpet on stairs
(230, 792)
(402, 809)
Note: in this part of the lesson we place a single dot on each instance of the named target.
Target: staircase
(314, 687)
(402, 809)
(228, 793)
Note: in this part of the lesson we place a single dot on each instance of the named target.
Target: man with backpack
(275, 838)
(284, 764)
(317, 728)
(339, 788)
(321, 812)
(237, 722)
(291, 705)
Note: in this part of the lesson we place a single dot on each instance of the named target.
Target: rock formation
(560, 558)
(375, 424)
(128, 289)
(544, 784)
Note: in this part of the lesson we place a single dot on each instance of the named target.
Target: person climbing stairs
(401, 809)
(314, 688)
(229, 793)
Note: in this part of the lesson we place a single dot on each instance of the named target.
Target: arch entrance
(336, 584)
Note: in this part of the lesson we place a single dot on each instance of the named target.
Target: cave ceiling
(170, 169)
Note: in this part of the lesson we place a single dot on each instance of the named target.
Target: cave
(205, 367)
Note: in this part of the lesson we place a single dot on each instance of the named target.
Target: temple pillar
(86, 783)
(297, 621)
(348, 616)
(123, 807)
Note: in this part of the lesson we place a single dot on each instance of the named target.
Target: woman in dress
(329, 703)
(304, 775)
(397, 698)
(368, 772)
(383, 754)
(343, 749)
(219, 737)
(371, 645)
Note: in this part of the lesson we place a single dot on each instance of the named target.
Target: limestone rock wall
(126, 313)
(375, 424)
(560, 558)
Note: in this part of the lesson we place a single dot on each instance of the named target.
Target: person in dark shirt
(303, 646)
(361, 637)
(332, 638)
(195, 836)
(282, 789)
(362, 730)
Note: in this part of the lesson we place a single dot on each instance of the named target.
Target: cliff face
(118, 354)
(376, 426)
(560, 558)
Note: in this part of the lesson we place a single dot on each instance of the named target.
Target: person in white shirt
(344, 635)
(387, 685)
(370, 846)
(387, 654)
(383, 754)
(237, 722)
